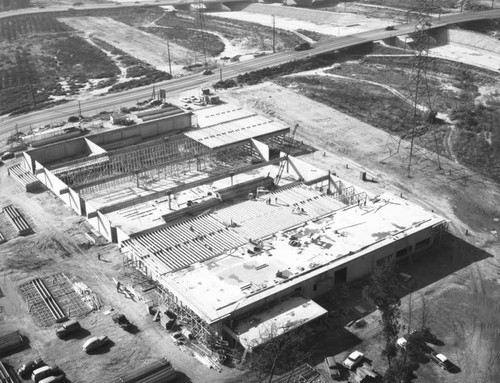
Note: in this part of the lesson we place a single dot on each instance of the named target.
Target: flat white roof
(230, 132)
(277, 320)
(219, 114)
(238, 278)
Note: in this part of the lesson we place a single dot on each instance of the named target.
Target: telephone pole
(169, 63)
(274, 34)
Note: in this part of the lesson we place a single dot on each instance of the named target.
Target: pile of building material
(160, 371)
(303, 374)
(17, 220)
(87, 295)
(11, 342)
(41, 303)
(25, 178)
(5, 376)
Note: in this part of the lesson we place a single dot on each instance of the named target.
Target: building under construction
(240, 234)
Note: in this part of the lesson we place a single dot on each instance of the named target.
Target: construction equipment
(288, 148)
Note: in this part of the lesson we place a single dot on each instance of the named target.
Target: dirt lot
(130, 40)
(55, 248)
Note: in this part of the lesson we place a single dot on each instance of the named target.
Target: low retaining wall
(469, 39)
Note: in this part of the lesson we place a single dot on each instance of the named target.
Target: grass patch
(315, 36)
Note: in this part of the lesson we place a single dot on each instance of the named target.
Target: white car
(402, 342)
(353, 360)
(95, 342)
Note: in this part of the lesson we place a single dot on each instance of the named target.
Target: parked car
(27, 369)
(44, 372)
(95, 342)
(402, 342)
(353, 360)
(122, 321)
(68, 328)
(302, 47)
(331, 367)
(441, 360)
(390, 28)
(7, 156)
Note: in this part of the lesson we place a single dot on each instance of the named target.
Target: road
(109, 102)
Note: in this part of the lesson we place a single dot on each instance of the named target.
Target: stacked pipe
(17, 220)
(48, 299)
(10, 342)
(157, 371)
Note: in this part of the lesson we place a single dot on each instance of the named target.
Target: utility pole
(154, 92)
(220, 74)
(169, 63)
(79, 109)
(274, 34)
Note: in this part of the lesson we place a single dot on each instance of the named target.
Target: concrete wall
(145, 130)
(51, 181)
(469, 39)
(262, 148)
(99, 222)
(56, 152)
(94, 149)
(305, 170)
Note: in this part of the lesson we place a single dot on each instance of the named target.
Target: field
(46, 59)
(374, 88)
(40, 55)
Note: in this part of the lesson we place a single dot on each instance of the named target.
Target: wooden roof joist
(183, 244)
(180, 188)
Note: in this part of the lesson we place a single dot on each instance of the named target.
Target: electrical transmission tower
(420, 118)
(200, 23)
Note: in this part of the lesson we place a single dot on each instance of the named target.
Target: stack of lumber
(17, 220)
(11, 342)
(25, 179)
(160, 371)
(5, 377)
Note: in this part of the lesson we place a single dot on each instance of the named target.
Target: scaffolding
(185, 316)
(108, 165)
(347, 195)
(210, 161)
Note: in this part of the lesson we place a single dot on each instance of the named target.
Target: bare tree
(276, 352)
